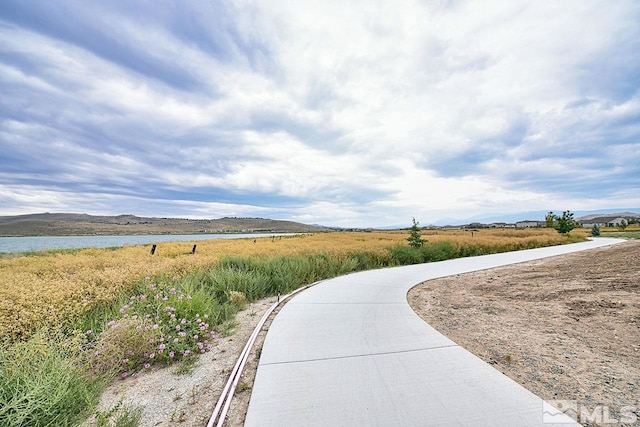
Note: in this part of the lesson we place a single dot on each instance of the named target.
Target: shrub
(168, 322)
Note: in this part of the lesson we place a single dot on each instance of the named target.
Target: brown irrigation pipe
(222, 407)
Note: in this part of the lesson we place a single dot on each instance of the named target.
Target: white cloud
(359, 112)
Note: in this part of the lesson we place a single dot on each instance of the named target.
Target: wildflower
(202, 328)
(183, 321)
(89, 332)
(188, 297)
(176, 340)
(155, 326)
(143, 297)
(125, 361)
(177, 327)
(206, 316)
(165, 299)
(200, 345)
(152, 355)
(124, 375)
(186, 353)
(162, 347)
(171, 354)
(147, 278)
(147, 366)
(130, 352)
(175, 278)
(151, 340)
(173, 291)
(195, 337)
(111, 324)
(209, 347)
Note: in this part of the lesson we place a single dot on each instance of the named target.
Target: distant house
(605, 221)
(530, 224)
(501, 225)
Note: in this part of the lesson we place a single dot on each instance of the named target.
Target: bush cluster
(164, 324)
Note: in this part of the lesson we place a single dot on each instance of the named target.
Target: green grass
(41, 385)
(622, 234)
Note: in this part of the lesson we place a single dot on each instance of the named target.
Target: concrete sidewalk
(351, 352)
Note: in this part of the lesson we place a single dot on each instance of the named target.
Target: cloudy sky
(363, 113)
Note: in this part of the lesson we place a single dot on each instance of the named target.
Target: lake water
(41, 243)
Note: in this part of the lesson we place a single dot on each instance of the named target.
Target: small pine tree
(595, 230)
(414, 239)
(566, 223)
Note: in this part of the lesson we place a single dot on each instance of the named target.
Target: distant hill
(609, 215)
(70, 224)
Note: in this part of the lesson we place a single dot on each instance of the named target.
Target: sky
(354, 114)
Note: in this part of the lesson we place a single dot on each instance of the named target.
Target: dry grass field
(53, 288)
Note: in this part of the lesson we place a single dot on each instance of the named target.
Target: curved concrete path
(351, 352)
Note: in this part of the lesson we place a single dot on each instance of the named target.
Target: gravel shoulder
(187, 400)
(566, 328)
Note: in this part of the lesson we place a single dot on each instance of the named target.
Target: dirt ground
(566, 328)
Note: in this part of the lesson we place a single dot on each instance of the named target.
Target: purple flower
(186, 353)
(171, 354)
(124, 375)
(147, 366)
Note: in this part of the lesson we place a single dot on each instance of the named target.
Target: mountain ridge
(73, 224)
